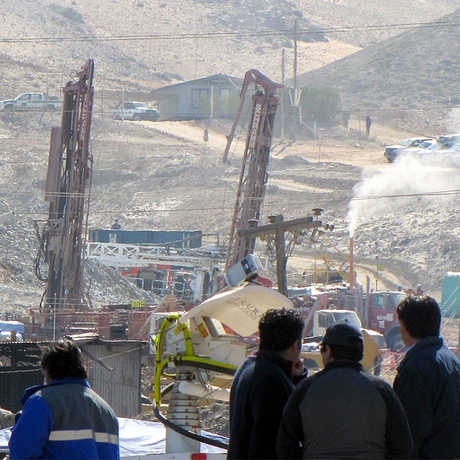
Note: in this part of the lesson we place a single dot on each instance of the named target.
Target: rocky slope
(407, 80)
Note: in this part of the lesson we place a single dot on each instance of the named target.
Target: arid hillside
(366, 17)
(164, 176)
(408, 80)
(140, 44)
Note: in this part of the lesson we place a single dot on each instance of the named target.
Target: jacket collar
(423, 343)
(347, 363)
(277, 359)
(31, 390)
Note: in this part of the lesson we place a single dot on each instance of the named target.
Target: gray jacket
(343, 412)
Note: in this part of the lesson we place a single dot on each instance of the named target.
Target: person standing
(64, 418)
(368, 125)
(428, 380)
(341, 411)
(263, 384)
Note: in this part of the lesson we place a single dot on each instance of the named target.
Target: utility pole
(281, 259)
(295, 56)
(276, 230)
(283, 78)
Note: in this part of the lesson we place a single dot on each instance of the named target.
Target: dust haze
(414, 180)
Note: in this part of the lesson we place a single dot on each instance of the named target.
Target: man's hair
(279, 328)
(420, 315)
(62, 360)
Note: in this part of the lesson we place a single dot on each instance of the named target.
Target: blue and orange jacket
(65, 419)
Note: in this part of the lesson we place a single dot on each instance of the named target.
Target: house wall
(193, 101)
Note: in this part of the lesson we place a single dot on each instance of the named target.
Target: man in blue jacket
(64, 418)
(428, 381)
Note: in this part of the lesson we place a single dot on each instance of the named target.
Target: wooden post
(295, 55)
(283, 77)
(280, 247)
(278, 227)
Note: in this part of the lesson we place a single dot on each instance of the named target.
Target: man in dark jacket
(263, 384)
(428, 381)
(341, 411)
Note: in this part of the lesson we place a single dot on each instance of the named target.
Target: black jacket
(343, 412)
(428, 384)
(259, 393)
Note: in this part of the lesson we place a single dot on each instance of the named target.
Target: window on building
(224, 93)
(200, 98)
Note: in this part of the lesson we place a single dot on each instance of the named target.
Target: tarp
(138, 438)
(15, 326)
(450, 303)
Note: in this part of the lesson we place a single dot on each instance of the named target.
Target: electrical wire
(408, 195)
(229, 208)
(214, 35)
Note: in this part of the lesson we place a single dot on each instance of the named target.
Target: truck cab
(381, 315)
(325, 318)
(373, 340)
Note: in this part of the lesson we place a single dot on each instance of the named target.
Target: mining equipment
(63, 236)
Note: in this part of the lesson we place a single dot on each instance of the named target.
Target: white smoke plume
(453, 120)
(428, 175)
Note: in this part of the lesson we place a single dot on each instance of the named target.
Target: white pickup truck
(135, 111)
(30, 102)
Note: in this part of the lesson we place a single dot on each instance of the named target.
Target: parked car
(392, 151)
(29, 102)
(451, 141)
(135, 111)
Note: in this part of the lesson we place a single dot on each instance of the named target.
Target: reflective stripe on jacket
(65, 419)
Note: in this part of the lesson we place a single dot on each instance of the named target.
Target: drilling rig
(253, 175)
(68, 184)
(195, 348)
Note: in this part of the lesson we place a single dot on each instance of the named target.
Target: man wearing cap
(428, 380)
(341, 411)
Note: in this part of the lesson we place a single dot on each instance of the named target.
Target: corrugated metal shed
(114, 371)
(19, 369)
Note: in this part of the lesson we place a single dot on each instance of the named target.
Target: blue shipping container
(175, 239)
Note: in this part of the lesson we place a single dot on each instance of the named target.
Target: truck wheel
(378, 365)
(9, 108)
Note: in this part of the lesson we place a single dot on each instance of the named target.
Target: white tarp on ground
(138, 439)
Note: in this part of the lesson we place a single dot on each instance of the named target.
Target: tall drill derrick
(253, 176)
(67, 190)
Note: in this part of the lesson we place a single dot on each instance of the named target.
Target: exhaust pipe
(352, 265)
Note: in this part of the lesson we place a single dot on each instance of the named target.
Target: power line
(213, 35)
(409, 195)
(290, 203)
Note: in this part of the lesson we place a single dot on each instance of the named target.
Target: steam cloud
(417, 173)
